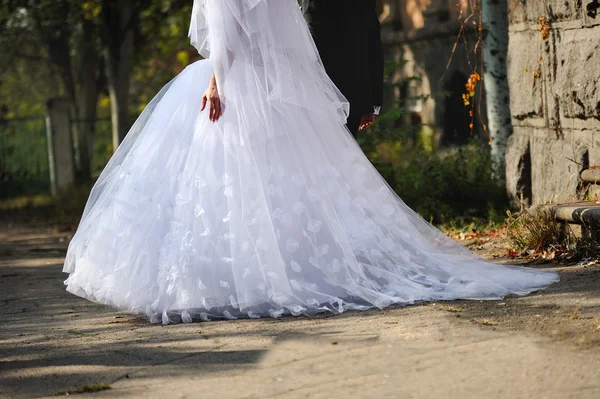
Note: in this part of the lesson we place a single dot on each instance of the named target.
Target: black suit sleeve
(376, 63)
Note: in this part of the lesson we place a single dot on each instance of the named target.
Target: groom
(348, 37)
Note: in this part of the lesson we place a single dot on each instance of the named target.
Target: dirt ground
(546, 345)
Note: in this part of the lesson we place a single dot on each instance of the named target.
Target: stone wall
(424, 35)
(416, 14)
(554, 79)
(441, 73)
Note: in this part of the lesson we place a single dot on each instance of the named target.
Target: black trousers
(353, 122)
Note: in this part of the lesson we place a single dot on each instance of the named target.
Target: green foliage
(24, 167)
(164, 50)
(30, 73)
(441, 185)
(26, 80)
(52, 48)
(68, 205)
(457, 184)
(103, 146)
(64, 210)
(26, 202)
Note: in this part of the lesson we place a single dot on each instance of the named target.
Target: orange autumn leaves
(544, 28)
(470, 86)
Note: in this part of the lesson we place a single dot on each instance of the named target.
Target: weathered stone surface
(555, 165)
(542, 168)
(555, 11)
(577, 73)
(590, 187)
(518, 168)
(524, 10)
(591, 176)
(527, 96)
(562, 10)
(558, 116)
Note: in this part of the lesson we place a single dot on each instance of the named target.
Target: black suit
(348, 36)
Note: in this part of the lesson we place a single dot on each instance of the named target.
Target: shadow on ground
(568, 311)
(51, 341)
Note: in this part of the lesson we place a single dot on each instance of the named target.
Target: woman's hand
(212, 98)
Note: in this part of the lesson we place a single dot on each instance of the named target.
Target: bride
(261, 204)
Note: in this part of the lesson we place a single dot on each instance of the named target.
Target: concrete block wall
(555, 99)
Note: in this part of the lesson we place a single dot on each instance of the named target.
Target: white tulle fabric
(273, 210)
(265, 61)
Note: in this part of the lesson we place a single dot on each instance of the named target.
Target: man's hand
(366, 122)
(212, 98)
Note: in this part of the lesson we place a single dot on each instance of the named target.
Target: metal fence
(24, 163)
(24, 168)
(103, 145)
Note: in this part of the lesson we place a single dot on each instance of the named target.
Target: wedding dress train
(272, 210)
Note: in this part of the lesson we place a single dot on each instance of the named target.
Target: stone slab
(591, 175)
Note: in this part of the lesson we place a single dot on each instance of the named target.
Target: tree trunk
(118, 52)
(58, 38)
(87, 102)
(59, 52)
(494, 15)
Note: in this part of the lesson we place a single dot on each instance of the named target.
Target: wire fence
(24, 163)
(103, 145)
(24, 167)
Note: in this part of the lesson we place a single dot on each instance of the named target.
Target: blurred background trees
(106, 57)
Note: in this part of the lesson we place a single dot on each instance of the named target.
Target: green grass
(27, 201)
(24, 167)
(64, 210)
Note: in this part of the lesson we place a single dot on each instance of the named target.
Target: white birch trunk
(495, 50)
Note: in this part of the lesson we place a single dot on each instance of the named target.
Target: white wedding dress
(272, 210)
